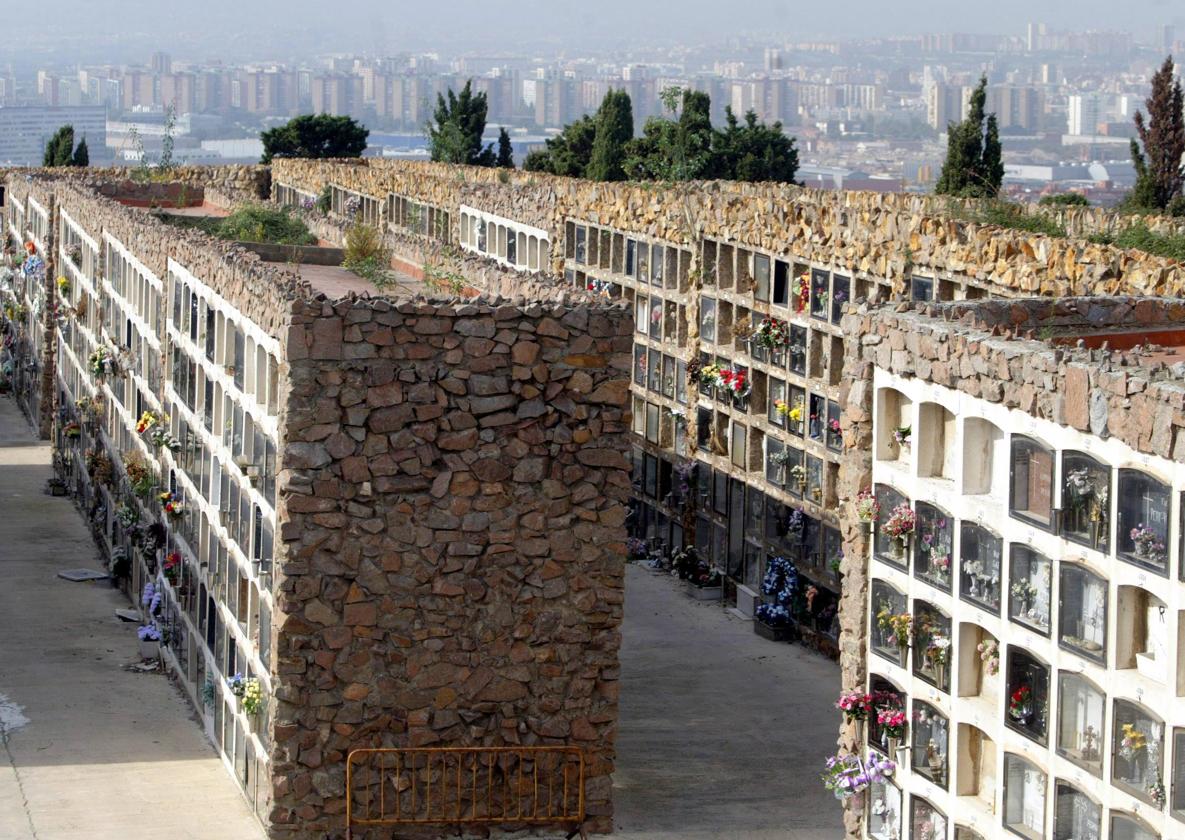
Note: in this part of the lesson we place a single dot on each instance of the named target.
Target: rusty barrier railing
(457, 786)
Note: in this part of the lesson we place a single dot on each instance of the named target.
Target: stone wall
(452, 510)
(257, 289)
(885, 236)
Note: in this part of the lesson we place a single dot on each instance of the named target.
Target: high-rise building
(161, 63)
(946, 104)
(1016, 106)
(1083, 114)
(24, 130)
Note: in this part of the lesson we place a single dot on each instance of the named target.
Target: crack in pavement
(12, 719)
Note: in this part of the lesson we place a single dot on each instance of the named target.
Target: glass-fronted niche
(1081, 723)
(885, 814)
(512, 243)
(1076, 815)
(1030, 588)
(607, 252)
(1024, 798)
(1137, 749)
(1082, 612)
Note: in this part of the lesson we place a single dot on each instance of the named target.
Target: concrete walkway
(723, 734)
(89, 751)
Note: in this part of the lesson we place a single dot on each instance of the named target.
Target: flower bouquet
(867, 506)
(1147, 543)
(901, 523)
(72, 429)
(901, 436)
(772, 334)
(898, 626)
(63, 287)
(846, 775)
(172, 567)
(149, 637)
(855, 705)
(989, 655)
(892, 722)
(161, 439)
(248, 690)
(103, 363)
(150, 419)
(1134, 742)
(1020, 704)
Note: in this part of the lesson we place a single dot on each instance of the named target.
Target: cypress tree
(505, 150)
(974, 164)
(614, 129)
(82, 155)
(1159, 171)
(60, 148)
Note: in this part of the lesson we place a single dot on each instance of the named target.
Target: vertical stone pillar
(855, 474)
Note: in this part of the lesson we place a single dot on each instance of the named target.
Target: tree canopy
(60, 151)
(505, 150)
(1160, 173)
(568, 153)
(614, 129)
(457, 127)
(315, 136)
(974, 165)
(674, 150)
(754, 151)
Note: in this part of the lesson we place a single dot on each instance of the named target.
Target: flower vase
(898, 548)
(902, 757)
(940, 674)
(894, 745)
(936, 771)
(149, 649)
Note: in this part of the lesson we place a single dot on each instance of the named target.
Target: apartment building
(311, 496)
(1025, 605)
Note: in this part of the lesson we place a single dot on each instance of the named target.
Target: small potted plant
(149, 641)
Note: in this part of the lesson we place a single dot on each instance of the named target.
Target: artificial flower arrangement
(1024, 591)
(937, 649)
(901, 523)
(1147, 543)
(126, 515)
(148, 633)
(139, 474)
(91, 407)
(1134, 741)
(1020, 704)
(99, 467)
(798, 475)
(635, 548)
(855, 705)
(989, 655)
(901, 435)
(103, 363)
(248, 690)
(781, 407)
(932, 543)
(796, 411)
(172, 567)
(779, 585)
(709, 375)
(867, 506)
(150, 598)
(63, 287)
(803, 293)
(73, 429)
(899, 626)
(892, 722)
(161, 439)
(150, 419)
(846, 775)
(736, 381)
(835, 428)
(772, 334)
(795, 522)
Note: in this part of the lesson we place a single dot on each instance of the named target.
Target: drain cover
(80, 575)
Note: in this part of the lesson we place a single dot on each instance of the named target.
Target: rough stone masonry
(452, 511)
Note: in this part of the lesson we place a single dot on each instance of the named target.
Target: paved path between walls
(722, 734)
(88, 751)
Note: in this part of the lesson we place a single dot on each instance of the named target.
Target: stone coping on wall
(999, 351)
(885, 236)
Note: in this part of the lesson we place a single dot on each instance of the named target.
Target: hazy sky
(390, 25)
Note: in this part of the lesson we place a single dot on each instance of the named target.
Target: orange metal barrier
(529, 786)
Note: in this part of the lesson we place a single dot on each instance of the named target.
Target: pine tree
(675, 150)
(754, 151)
(974, 164)
(1159, 172)
(505, 150)
(614, 129)
(82, 155)
(466, 113)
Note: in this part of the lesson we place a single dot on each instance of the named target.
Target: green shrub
(367, 256)
(1005, 214)
(250, 223)
(1069, 199)
(1141, 238)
